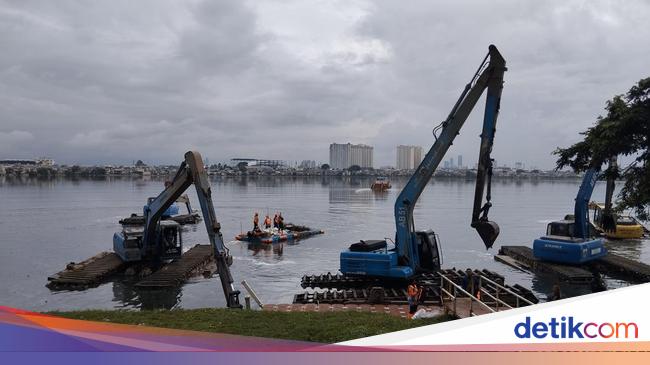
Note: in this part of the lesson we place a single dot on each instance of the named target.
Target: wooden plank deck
(463, 308)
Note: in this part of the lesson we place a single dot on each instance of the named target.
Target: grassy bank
(306, 326)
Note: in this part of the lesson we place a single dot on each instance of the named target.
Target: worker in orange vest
(414, 292)
(267, 222)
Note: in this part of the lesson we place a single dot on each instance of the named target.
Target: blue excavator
(570, 241)
(418, 251)
(160, 240)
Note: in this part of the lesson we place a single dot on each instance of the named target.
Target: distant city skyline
(305, 163)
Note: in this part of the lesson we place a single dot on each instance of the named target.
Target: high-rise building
(460, 161)
(339, 156)
(408, 157)
(342, 156)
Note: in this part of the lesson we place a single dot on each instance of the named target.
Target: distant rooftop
(259, 162)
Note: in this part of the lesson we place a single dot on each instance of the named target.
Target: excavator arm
(581, 209)
(488, 76)
(192, 171)
(608, 221)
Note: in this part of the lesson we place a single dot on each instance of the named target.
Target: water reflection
(542, 285)
(130, 296)
(266, 249)
(630, 249)
(22, 181)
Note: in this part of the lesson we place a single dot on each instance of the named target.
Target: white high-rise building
(339, 156)
(342, 156)
(408, 157)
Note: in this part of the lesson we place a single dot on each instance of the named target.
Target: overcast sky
(125, 80)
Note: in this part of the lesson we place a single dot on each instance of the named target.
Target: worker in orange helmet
(414, 292)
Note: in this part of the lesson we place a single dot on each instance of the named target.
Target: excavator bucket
(489, 231)
(608, 222)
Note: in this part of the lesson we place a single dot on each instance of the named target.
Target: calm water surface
(46, 224)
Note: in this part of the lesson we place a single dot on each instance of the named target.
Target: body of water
(46, 224)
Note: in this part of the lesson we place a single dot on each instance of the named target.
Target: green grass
(305, 326)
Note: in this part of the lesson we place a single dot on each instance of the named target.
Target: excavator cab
(170, 239)
(563, 228)
(428, 251)
(168, 245)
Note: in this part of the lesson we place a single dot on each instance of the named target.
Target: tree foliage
(624, 130)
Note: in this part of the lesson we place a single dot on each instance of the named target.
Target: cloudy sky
(125, 80)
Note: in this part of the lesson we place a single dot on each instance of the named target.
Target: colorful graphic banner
(613, 321)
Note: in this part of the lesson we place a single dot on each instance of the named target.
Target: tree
(355, 168)
(625, 130)
(325, 166)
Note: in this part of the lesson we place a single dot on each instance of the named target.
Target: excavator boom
(489, 75)
(418, 251)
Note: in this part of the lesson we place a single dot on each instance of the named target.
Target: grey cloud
(124, 80)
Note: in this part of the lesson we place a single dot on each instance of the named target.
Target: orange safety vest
(413, 291)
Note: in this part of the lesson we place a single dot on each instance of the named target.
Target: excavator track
(178, 271)
(372, 295)
(360, 296)
(86, 274)
(342, 289)
(97, 269)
